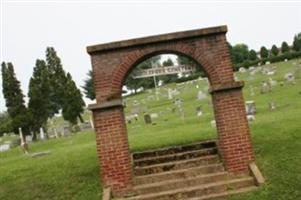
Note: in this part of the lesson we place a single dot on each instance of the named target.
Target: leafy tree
(184, 60)
(39, 103)
(264, 53)
(145, 83)
(284, 47)
(14, 99)
(73, 103)
(57, 80)
(297, 42)
(239, 53)
(274, 50)
(170, 77)
(5, 123)
(89, 86)
(252, 55)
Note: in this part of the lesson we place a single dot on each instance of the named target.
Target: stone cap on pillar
(105, 105)
(226, 86)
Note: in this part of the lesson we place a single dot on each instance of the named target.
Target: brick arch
(136, 57)
(113, 61)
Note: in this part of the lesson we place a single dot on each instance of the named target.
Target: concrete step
(223, 195)
(175, 157)
(175, 149)
(175, 165)
(180, 183)
(199, 190)
(181, 173)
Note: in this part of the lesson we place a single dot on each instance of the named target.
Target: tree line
(51, 90)
(243, 57)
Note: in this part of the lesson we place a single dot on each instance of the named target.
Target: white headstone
(42, 134)
(201, 95)
(250, 108)
(91, 122)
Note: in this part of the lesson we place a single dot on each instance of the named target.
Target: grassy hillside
(71, 170)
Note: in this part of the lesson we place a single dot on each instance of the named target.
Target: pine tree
(73, 102)
(89, 86)
(284, 47)
(297, 42)
(274, 50)
(264, 53)
(252, 55)
(58, 79)
(39, 103)
(14, 99)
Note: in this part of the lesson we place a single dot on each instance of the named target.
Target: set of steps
(190, 172)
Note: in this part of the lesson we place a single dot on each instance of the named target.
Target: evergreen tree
(57, 80)
(39, 103)
(264, 53)
(14, 99)
(297, 42)
(274, 50)
(89, 86)
(73, 103)
(284, 47)
(252, 55)
(5, 124)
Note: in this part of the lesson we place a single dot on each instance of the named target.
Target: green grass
(71, 170)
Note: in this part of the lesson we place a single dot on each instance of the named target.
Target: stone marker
(154, 115)
(213, 123)
(250, 108)
(289, 77)
(91, 122)
(199, 112)
(201, 95)
(24, 145)
(272, 106)
(147, 119)
(42, 134)
(265, 87)
(242, 70)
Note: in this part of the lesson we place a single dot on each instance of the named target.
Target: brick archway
(113, 61)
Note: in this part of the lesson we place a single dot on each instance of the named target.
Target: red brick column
(112, 146)
(234, 138)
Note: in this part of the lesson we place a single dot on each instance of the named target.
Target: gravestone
(272, 106)
(4, 147)
(147, 119)
(242, 70)
(42, 134)
(264, 87)
(201, 95)
(250, 108)
(24, 145)
(289, 77)
(199, 112)
(154, 115)
(272, 82)
(213, 123)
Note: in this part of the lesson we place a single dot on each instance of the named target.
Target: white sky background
(28, 27)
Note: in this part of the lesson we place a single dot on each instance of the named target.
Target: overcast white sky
(28, 27)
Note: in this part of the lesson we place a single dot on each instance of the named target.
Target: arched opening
(171, 108)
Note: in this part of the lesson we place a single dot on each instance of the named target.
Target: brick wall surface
(109, 71)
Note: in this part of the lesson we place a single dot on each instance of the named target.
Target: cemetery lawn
(71, 170)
